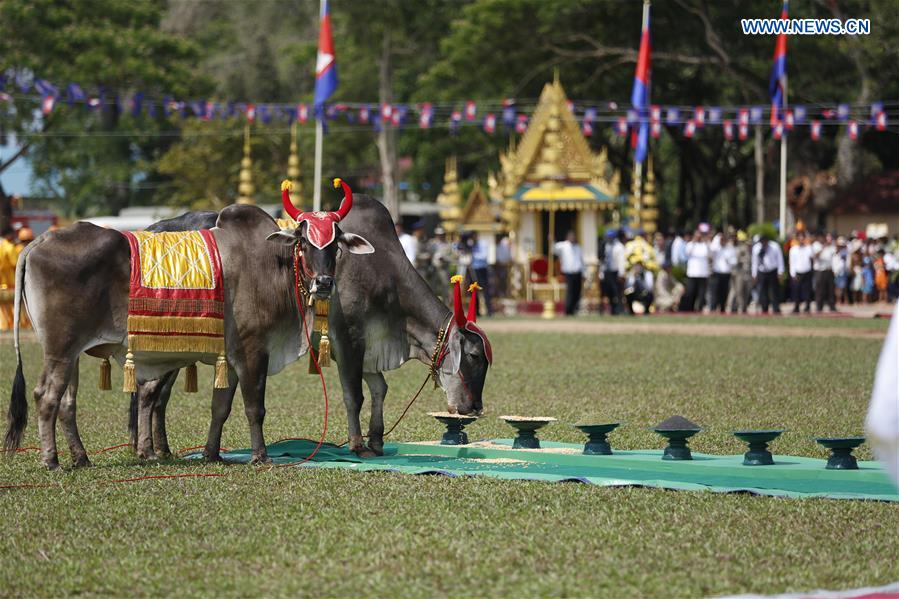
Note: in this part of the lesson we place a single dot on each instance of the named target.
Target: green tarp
(790, 476)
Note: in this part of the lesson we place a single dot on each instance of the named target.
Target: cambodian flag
(640, 93)
(325, 64)
(777, 88)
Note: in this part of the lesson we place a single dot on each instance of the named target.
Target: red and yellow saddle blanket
(176, 300)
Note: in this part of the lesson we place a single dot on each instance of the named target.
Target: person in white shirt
(678, 248)
(724, 259)
(823, 253)
(571, 263)
(699, 255)
(801, 272)
(613, 269)
(767, 266)
(409, 243)
(842, 269)
(882, 422)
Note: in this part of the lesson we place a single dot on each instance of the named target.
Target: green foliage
(438, 50)
(94, 163)
(763, 229)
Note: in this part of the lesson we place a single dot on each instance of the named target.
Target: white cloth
(571, 258)
(678, 247)
(698, 259)
(882, 423)
(410, 246)
(823, 255)
(800, 260)
(615, 261)
(724, 257)
(771, 260)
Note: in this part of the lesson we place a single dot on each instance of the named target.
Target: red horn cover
(458, 314)
(473, 302)
(321, 227)
(289, 208)
(347, 204)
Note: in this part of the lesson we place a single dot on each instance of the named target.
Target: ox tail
(18, 407)
(132, 419)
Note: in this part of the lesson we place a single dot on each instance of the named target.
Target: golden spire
(293, 170)
(245, 188)
(649, 215)
(450, 200)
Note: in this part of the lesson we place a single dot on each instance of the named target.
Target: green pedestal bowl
(841, 457)
(527, 428)
(677, 442)
(597, 442)
(455, 425)
(758, 454)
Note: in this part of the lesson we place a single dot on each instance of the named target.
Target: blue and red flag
(640, 93)
(777, 88)
(325, 64)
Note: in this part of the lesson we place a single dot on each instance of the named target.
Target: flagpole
(317, 185)
(783, 167)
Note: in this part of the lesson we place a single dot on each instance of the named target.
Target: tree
(93, 161)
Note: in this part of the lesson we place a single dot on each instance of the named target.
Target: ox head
(319, 236)
(467, 356)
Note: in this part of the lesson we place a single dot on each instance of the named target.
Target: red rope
(298, 259)
(105, 449)
(164, 476)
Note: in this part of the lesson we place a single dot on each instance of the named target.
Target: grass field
(259, 531)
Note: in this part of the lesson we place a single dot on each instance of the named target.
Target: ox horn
(347, 204)
(289, 208)
(473, 302)
(458, 315)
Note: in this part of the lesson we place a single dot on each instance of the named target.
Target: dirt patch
(623, 327)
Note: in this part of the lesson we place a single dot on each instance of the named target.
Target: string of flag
(491, 116)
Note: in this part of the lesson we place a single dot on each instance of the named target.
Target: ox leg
(147, 392)
(252, 387)
(221, 409)
(53, 383)
(160, 437)
(68, 421)
(352, 399)
(377, 388)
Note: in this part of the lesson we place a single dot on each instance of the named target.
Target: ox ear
(355, 244)
(283, 236)
(455, 350)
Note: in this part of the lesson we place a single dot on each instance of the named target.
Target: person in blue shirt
(480, 270)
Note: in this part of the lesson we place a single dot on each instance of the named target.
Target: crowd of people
(727, 271)
(702, 270)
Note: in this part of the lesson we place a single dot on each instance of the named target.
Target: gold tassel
(190, 379)
(324, 351)
(105, 382)
(130, 385)
(221, 372)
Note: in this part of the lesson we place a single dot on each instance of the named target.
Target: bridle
(301, 274)
(440, 351)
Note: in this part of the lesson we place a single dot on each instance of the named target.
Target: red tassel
(473, 302)
(458, 315)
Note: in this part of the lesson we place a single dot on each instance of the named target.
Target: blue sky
(17, 178)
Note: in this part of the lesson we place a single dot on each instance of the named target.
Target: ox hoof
(82, 462)
(52, 464)
(164, 455)
(147, 456)
(377, 448)
(263, 459)
(365, 452)
(212, 458)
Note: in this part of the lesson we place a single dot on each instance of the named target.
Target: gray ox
(76, 282)
(379, 319)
